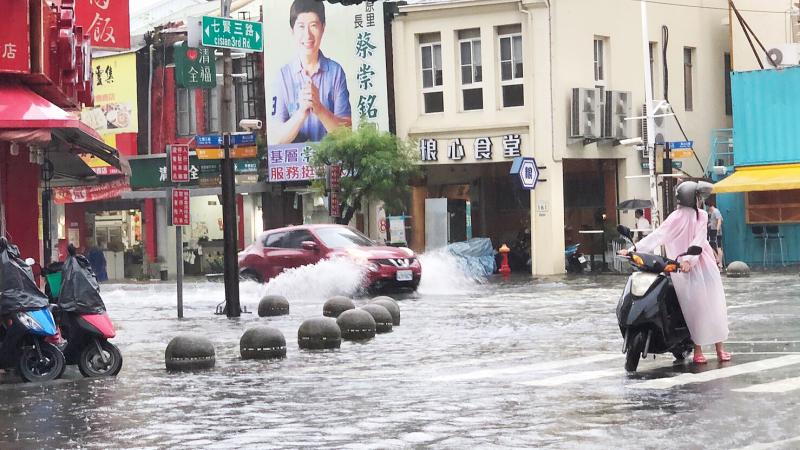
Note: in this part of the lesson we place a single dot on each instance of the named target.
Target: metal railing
(721, 153)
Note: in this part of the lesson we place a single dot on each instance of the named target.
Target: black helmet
(688, 192)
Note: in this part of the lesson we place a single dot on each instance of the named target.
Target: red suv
(277, 250)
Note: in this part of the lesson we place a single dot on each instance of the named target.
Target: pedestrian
(641, 224)
(715, 231)
(96, 259)
(698, 285)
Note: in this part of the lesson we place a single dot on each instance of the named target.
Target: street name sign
(680, 145)
(678, 154)
(215, 140)
(249, 151)
(234, 34)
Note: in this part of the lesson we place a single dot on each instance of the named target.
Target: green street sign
(234, 34)
(148, 173)
(195, 67)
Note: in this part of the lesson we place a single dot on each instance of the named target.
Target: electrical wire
(716, 8)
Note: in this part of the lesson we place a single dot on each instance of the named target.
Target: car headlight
(373, 266)
(29, 321)
(641, 282)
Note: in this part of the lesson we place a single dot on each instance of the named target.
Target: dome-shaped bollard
(337, 305)
(189, 352)
(737, 269)
(357, 325)
(382, 316)
(391, 306)
(273, 305)
(262, 343)
(319, 333)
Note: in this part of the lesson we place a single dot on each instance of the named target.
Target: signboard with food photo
(114, 95)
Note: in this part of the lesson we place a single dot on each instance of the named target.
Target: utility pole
(649, 124)
(229, 225)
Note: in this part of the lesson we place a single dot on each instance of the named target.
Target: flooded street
(525, 363)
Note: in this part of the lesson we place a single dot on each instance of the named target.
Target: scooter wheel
(634, 353)
(91, 362)
(48, 367)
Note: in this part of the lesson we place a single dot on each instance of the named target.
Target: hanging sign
(179, 163)
(179, 200)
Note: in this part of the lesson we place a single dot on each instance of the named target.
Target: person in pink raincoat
(698, 285)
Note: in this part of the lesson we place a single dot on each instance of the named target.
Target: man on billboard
(310, 96)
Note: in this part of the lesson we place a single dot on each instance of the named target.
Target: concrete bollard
(262, 343)
(356, 325)
(319, 333)
(189, 352)
(382, 316)
(273, 305)
(391, 306)
(737, 269)
(337, 305)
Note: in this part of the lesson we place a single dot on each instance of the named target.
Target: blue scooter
(26, 322)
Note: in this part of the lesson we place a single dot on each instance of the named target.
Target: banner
(107, 22)
(114, 95)
(81, 194)
(326, 69)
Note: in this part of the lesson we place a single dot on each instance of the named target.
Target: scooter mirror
(30, 261)
(625, 231)
(694, 250)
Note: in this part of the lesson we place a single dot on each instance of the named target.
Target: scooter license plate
(404, 275)
(582, 259)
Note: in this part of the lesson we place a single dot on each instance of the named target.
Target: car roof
(312, 227)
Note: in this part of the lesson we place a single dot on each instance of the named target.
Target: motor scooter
(82, 317)
(26, 321)
(648, 312)
(576, 261)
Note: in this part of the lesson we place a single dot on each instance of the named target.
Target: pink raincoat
(700, 290)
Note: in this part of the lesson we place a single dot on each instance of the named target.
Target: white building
(478, 82)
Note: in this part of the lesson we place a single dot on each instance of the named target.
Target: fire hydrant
(504, 267)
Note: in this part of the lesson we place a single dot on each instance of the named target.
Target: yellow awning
(761, 178)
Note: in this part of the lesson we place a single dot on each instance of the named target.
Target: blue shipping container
(766, 108)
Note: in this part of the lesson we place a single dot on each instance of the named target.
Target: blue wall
(739, 243)
(766, 110)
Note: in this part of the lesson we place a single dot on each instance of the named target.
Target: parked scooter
(82, 317)
(576, 261)
(648, 313)
(26, 321)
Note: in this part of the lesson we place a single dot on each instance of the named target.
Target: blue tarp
(476, 256)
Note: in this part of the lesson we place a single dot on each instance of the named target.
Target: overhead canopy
(761, 178)
(22, 110)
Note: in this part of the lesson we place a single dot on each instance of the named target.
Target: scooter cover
(80, 292)
(19, 290)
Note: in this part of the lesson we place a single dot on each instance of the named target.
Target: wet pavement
(526, 363)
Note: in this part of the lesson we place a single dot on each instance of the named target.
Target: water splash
(339, 276)
(443, 274)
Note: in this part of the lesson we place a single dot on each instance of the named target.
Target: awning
(23, 110)
(81, 194)
(761, 178)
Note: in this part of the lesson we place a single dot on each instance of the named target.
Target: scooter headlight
(29, 322)
(641, 282)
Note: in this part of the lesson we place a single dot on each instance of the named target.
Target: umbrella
(634, 203)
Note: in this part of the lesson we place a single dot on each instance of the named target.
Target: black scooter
(648, 313)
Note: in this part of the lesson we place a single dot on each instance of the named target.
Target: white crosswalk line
(689, 378)
(549, 365)
(574, 378)
(772, 445)
(775, 387)
(750, 305)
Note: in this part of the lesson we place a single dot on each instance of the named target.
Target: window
(246, 89)
(295, 239)
(342, 237)
(599, 61)
(469, 42)
(187, 116)
(212, 100)
(772, 207)
(728, 102)
(688, 78)
(431, 58)
(511, 65)
(274, 240)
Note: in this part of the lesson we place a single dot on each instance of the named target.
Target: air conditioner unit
(785, 55)
(615, 109)
(585, 113)
(659, 123)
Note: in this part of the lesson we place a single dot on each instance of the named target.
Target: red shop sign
(81, 194)
(15, 37)
(179, 163)
(107, 22)
(180, 207)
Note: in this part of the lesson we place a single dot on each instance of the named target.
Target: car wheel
(250, 275)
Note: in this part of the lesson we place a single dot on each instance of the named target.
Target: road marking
(770, 445)
(748, 305)
(550, 365)
(574, 378)
(762, 342)
(689, 378)
(775, 387)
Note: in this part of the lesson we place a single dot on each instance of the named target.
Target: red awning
(23, 109)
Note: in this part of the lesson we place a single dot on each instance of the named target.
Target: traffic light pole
(231, 266)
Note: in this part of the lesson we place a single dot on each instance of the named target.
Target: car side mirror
(625, 231)
(310, 246)
(694, 250)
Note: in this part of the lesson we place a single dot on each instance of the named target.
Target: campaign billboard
(325, 68)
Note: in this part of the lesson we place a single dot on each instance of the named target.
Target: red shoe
(724, 356)
(699, 359)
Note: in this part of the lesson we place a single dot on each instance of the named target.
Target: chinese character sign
(289, 163)
(114, 96)
(107, 22)
(342, 75)
(181, 214)
(195, 67)
(15, 49)
(335, 194)
(482, 149)
(179, 163)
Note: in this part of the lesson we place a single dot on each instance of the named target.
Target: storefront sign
(195, 67)
(80, 194)
(152, 173)
(527, 172)
(180, 201)
(114, 95)
(179, 169)
(15, 38)
(484, 149)
(98, 166)
(290, 163)
(106, 21)
(335, 187)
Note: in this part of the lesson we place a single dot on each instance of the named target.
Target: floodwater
(473, 364)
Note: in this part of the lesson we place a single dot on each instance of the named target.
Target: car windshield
(335, 237)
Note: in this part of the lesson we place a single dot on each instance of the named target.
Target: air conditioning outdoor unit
(659, 123)
(785, 55)
(615, 109)
(585, 113)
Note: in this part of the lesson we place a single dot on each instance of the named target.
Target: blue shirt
(331, 82)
